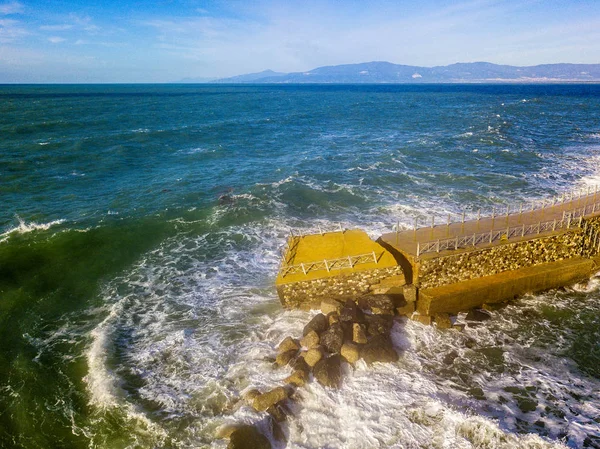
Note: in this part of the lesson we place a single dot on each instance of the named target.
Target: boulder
(288, 344)
(379, 349)
(248, 437)
(330, 305)
(381, 304)
(350, 352)
(300, 365)
(312, 356)
(283, 358)
(378, 324)
(333, 338)
(310, 340)
(328, 372)
(423, 319)
(250, 395)
(478, 315)
(277, 413)
(359, 334)
(442, 320)
(263, 401)
(333, 317)
(298, 378)
(318, 324)
(410, 293)
(405, 308)
(351, 313)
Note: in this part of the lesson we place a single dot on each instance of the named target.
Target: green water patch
(48, 282)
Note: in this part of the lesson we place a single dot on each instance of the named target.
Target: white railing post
(326, 266)
(418, 249)
(303, 269)
(374, 258)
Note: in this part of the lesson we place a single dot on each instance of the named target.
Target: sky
(97, 41)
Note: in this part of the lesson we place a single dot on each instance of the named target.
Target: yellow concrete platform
(331, 254)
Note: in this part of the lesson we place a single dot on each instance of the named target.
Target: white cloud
(56, 27)
(11, 8)
(56, 39)
(10, 31)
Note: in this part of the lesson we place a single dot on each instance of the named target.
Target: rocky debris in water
(312, 356)
(378, 324)
(359, 333)
(333, 338)
(265, 400)
(288, 344)
(423, 319)
(379, 349)
(449, 358)
(459, 326)
(310, 340)
(330, 305)
(283, 358)
(442, 320)
(381, 304)
(298, 378)
(248, 437)
(350, 352)
(352, 313)
(478, 315)
(300, 365)
(250, 395)
(333, 317)
(226, 430)
(328, 372)
(405, 308)
(277, 413)
(319, 323)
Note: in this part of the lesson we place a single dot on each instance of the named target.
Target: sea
(141, 228)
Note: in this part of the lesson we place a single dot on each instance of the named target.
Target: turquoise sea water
(135, 308)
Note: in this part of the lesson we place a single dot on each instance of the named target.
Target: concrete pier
(453, 266)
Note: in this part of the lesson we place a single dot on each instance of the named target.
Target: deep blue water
(134, 308)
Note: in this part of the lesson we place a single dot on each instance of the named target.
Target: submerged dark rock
(248, 437)
(379, 349)
(328, 372)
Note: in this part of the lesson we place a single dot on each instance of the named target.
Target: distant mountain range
(386, 72)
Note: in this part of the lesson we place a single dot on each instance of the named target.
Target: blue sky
(167, 40)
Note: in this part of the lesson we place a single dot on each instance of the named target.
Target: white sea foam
(24, 227)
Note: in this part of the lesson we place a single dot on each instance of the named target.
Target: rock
(333, 338)
(319, 323)
(359, 334)
(379, 349)
(328, 372)
(378, 324)
(248, 437)
(330, 305)
(300, 365)
(351, 313)
(226, 430)
(350, 352)
(423, 319)
(250, 395)
(270, 398)
(310, 340)
(478, 315)
(286, 357)
(297, 378)
(288, 344)
(449, 358)
(410, 293)
(458, 326)
(277, 413)
(312, 356)
(381, 304)
(442, 320)
(333, 317)
(405, 308)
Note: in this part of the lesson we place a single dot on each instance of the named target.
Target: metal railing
(329, 264)
(569, 219)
